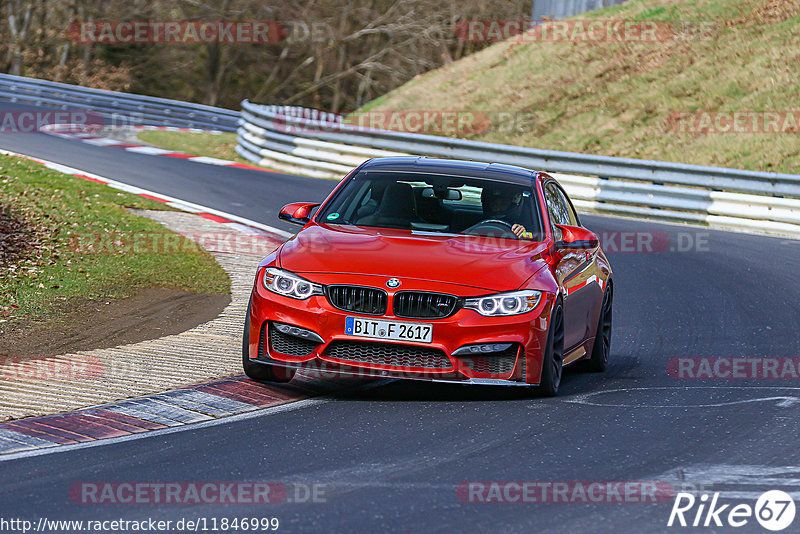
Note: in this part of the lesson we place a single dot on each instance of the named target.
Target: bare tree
(335, 55)
(18, 17)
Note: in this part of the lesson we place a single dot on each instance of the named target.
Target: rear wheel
(552, 366)
(260, 372)
(601, 349)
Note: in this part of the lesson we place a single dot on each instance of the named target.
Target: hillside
(625, 99)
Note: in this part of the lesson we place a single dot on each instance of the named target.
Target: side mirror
(575, 237)
(297, 212)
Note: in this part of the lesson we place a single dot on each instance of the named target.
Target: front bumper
(345, 355)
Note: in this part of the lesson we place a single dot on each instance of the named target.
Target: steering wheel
(485, 228)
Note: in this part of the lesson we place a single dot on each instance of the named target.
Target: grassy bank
(66, 239)
(621, 99)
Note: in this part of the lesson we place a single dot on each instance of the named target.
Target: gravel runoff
(208, 351)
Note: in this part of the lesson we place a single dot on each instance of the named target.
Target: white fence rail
(560, 9)
(319, 144)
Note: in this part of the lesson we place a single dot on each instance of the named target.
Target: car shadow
(575, 381)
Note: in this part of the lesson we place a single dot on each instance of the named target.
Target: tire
(552, 365)
(260, 372)
(601, 349)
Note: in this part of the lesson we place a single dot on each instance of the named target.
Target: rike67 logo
(774, 510)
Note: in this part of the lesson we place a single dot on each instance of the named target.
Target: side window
(570, 213)
(556, 208)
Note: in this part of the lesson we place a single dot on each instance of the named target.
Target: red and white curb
(176, 408)
(78, 132)
(234, 221)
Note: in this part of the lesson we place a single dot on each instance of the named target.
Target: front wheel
(260, 372)
(601, 349)
(552, 366)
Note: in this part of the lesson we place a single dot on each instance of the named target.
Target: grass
(61, 211)
(617, 99)
(220, 146)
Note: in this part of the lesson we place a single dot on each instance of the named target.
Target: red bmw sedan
(433, 269)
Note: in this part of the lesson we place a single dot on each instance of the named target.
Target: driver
(506, 206)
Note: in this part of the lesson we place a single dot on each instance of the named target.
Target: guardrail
(122, 108)
(319, 144)
(560, 9)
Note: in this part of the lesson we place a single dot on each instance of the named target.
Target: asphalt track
(390, 457)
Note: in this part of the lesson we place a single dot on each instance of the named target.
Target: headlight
(289, 284)
(501, 304)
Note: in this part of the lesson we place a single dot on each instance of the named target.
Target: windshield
(436, 203)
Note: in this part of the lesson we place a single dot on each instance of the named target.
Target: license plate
(358, 326)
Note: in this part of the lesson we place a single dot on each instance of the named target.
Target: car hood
(480, 262)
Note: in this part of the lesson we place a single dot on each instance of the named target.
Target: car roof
(470, 169)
